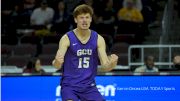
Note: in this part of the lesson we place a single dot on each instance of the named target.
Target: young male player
(78, 54)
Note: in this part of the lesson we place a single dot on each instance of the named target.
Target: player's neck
(82, 33)
(83, 36)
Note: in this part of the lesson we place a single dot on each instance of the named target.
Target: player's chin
(85, 27)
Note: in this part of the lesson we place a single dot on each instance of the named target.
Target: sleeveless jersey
(80, 61)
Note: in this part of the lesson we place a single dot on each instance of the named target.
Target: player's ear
(75, 20)
(90, 19)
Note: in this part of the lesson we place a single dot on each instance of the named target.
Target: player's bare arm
(63, 46)
(107, 62)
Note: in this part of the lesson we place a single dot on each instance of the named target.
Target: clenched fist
(114, 58)
(58, 61)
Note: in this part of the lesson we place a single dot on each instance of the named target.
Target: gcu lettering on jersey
(84, 52)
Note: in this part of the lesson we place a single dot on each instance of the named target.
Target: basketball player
(78, 55)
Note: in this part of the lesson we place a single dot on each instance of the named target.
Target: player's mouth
(84, 25)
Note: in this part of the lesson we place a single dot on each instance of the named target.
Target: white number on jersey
(84, 62)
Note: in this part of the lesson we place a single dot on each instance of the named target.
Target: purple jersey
(80, 62)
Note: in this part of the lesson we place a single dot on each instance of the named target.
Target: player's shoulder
(100, 37)
(69, 33)
(93, 31)
(97, 34)
(65, 37)
(101, 40)
(64, 40)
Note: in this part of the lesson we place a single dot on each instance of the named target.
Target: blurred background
(31, 30)
(145, 34)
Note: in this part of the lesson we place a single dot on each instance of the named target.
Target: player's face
(83, 21)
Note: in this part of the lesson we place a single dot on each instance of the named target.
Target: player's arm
(63, 46)
(107, 62)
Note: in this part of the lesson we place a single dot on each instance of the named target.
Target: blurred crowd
(54, 18)
(111, 16)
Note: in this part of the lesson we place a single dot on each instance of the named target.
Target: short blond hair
(83, 9)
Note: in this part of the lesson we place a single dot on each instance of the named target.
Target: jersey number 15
(84, 62)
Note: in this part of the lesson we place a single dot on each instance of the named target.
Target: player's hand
(59, 57)
(59, 60)
(114, 59)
